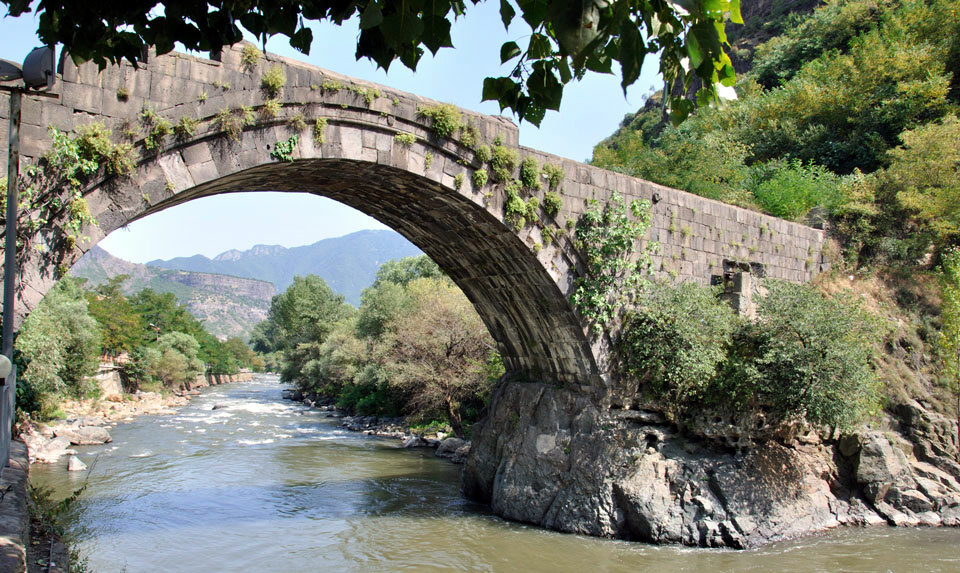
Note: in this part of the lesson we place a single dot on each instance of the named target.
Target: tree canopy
(567, 39)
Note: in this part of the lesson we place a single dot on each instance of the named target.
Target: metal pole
(10, 249)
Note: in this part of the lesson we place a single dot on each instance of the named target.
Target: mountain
(348, 263)
(227, 305)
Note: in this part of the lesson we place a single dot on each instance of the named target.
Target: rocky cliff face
(224, 284)
(555, 458)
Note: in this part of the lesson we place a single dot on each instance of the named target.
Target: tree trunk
(453, 414)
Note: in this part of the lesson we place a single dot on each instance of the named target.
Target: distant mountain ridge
(348, 264)
(227, 305)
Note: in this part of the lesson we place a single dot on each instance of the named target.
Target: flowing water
(262, 484)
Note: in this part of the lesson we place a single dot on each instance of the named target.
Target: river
(264, 484)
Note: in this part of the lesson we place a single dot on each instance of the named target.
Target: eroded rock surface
(554, 458)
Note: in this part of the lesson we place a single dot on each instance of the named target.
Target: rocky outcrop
(204, 380)
(554, 458)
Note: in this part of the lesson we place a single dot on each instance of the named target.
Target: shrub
(813, 355)
(446, 118)
(552, 203)
(675, 339)
(250, 56)
(407, 139)
(272, 107)
(273, 80)
(480, 178)
(320, 130)
(483, 153)
(790, 190)
(530, 173)
(503, 162)
(186, 127)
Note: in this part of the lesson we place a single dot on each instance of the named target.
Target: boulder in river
(83, 435)
(76, 465)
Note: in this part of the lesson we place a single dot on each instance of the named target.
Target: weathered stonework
(520, 289)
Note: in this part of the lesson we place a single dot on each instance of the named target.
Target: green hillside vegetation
(415, 347)
(849, 119)
(60, 344)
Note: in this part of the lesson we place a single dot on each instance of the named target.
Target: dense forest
(156, 340)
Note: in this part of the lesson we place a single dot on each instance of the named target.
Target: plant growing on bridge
(283, 150)
(232, 121)
(555, 175)
(446, 117)
(530, 173)
(186, 127)
(552, 203)
(458, 181)
(159, 130)
(271, 108)
(503, 162)
(484, 154)
(250, 56)
(470, 135)
(320, 130)
(297, 122)
(427, 160)
(406, 139)
(480, 178)
(607, 237)
(273, 80)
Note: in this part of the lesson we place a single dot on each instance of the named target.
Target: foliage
(427, 160)
(402, 271)
(438, 351)
(271, 108)
(250, 56)
(924, 175)
(319, 130)
(186, 127)
(790, 191)
(530, 173)
(407, 139)
(607, 238)
(297, 123)
(484, 154)
(470, 135)
(813, 355)
(160, 128)
(949, 340)
(120, 324)
(458, 181)
(555, 175)
(59, 345)
(503, 162)
(273, 80)
(446, 117)
(283, 150)
(552, 203)
(675, 339)
(232, 121)
(806, 356)
(480, 177)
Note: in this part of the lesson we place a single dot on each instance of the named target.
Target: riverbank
(447, 447)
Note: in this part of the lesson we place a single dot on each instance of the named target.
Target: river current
(267, 485)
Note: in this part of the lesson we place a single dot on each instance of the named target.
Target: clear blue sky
(591, 110)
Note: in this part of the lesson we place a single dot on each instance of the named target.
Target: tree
(120, 324)
(60, 343)
(567, 40)
(950, 320)
(439, 351)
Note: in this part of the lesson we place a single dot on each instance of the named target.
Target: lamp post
(37, 72)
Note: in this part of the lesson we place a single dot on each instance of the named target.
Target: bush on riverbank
(806, 355)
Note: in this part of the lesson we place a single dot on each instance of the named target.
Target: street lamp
(38, 72)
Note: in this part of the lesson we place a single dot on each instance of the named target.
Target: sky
(591, 110)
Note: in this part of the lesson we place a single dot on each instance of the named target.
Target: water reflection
(261, 484)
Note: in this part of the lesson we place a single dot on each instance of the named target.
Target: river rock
(76, 465)
(414, 442)
(44, 451)
(454, 449)
(218, 406)
(84, 435)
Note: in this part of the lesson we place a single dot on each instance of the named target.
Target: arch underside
(539, 335)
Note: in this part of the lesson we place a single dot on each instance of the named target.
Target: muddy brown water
(266, 485)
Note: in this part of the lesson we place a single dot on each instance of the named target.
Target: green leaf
(506, 13)
(735, 16)
(509, 51)
(436, 33)
(539, 47)
(533, 11)
(564, 68)
(680, 108)
(544, 88)
(372, 16)
(632, 52)
(302, 40)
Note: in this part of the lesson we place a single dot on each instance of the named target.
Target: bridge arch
(376, 150)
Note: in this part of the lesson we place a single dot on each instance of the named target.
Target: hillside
(227, 305)
(348, 264)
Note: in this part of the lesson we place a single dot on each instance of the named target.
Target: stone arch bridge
(572, 464)
(519, 281)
